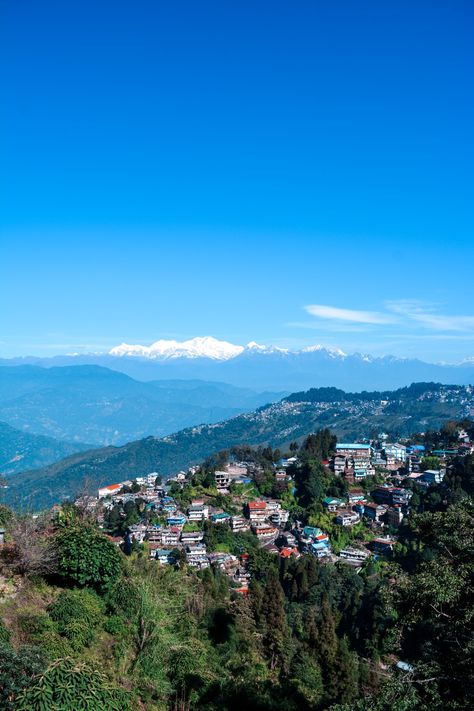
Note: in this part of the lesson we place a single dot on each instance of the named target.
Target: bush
(17, 668)
(87, 558)
(115, 625)
(67, 684)
(35, 623)
(77, 614)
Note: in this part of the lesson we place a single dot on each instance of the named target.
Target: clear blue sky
(286, 172)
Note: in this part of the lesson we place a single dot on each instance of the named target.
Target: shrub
(67, 684)
(77, 614)
(17, 668)
(87, 558)
(115, 625)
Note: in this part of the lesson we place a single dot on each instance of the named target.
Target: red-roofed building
(109, 490)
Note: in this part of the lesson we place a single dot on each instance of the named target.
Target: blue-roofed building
(177, 520)
(222, 517)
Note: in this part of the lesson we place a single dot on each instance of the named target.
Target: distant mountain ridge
(263, 367)
(90, 403)
(418, 407)
(22, 450)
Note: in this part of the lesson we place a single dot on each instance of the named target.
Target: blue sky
(285, 172)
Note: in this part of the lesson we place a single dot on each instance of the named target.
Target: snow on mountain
(333, 352)
(206, 347)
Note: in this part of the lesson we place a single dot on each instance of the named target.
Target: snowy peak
(206, 347)
(333, 352)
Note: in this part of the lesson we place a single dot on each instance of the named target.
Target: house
(288, 552)
(163, 556)
(354, 555)
(170, 536)
(374, 512)
(178, 519)
(347, 518)
(397, 452)
(110, 490)
(257, 510)
(273, 506)
(198, 512)
(279, 518)
(264, 530)
(339, 464)
(433, 476)
(394, 516)
(332, 504)
(320, 549)
(221, 517)
(239, 523)
(356, 495)
(189, 537)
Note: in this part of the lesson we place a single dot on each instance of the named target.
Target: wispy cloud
(349, 315)
(425, 315)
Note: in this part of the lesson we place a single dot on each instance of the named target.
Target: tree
(32, 550)
(276, 628)
(87, 558)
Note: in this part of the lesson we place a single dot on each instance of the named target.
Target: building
(239, 523)
(264, 530)
(257, 511)
(374, 512)
(394, 516)
(354, 555)
(433, 476)
(223, 480)
(163, 556)
(198, 512)
(110, 490)
(354, 450)
(332, 504)
(347, 518)
(397, 452)
(221, 517)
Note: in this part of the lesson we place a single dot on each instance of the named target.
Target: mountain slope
(21, 450)
(420, 407)
(89, 403)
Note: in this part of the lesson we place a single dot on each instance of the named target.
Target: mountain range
(90, 403)
(262, 367)
(350, 415)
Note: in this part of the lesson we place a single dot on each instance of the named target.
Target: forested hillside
(400, 413)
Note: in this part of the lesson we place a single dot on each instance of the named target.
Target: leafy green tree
(87, 558)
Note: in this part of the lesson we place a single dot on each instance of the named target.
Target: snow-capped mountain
(264, 367)
(209, 347)
(206, 347)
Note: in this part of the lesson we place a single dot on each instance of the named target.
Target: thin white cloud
(426, 316)
(349, 315)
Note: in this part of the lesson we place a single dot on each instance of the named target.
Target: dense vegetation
(87, 627)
